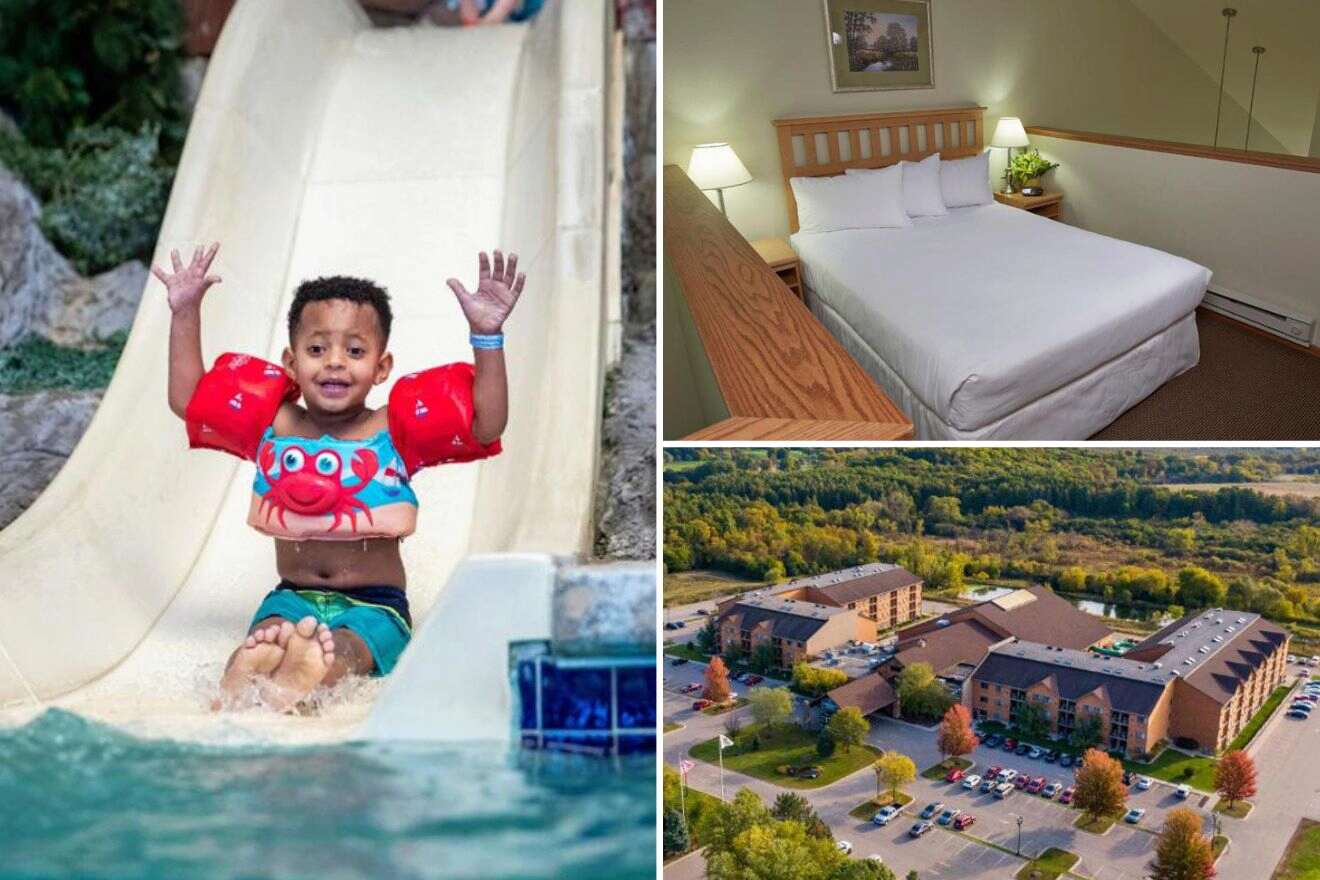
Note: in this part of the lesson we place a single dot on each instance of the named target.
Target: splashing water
(80, 799)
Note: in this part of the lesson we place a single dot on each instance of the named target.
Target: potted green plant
(1026, 170)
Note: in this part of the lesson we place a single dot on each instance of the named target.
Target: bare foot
(260, 654)
(307, 659)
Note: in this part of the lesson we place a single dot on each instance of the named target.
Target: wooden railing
(780, 373)
(1204, 151)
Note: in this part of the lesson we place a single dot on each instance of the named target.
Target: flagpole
(682, 800)
(722, 770)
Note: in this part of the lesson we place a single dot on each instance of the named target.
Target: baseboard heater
(1294, 328)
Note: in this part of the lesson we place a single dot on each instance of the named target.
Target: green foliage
(65, 64)
(848, 728)
(814, 681)
(1198, 588)
(793, 807)
(1028, 166)
(824, 744)
(763, 659)
(921, 696)
(103, 193)
(707, 637)
(675, 833)
(770, 706)
(34, 364)
(895, 770)
(697, 803)
(1033, 722)
(1086, 732)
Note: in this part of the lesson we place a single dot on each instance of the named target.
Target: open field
(1305, 485)
(760, 753)
(687, 587)
(1301, 861)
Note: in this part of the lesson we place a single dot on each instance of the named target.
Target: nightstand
(780, 257)
(1046, 205)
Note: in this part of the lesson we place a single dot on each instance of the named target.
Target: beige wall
(732, 67)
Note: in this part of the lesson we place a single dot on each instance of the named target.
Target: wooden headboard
(816, 146)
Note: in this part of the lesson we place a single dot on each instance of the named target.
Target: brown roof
(869, 585)
(870, 693)
(1048, 619)
(798, 621)
(964, 642)
(1221, 676)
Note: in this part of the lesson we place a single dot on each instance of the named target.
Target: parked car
(1051, 790)
(678, 661)
(1051, 756)
(964, 821)
(1298, 713)
(920, 828)
(949, 815)
(1128, 777)
(955, 774)
(1022, 749)
(1134, 815)
(691, 688)
(1008, 774)
(993, 771)
(673, 624)
(1036, 785)
(1183, 792)
(931, 810)
(809, 773)
(988, 784)
(1066, 796)
(1035, 753)
(754, 679)
(971, 782)
(1004, 790)
(1021, 781)
(702, 611)
(885, 814)
(1010, 744)
(1066, 760)
(844, 847)
(992, 741)
(1143, 783)
(702, 704)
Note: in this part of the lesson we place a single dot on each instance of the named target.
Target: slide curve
(321, 145)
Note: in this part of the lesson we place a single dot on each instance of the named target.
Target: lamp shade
(716, 166)
(1010, 133)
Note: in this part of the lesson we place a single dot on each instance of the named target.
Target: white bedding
(988, 309)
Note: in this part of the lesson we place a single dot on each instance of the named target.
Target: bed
(974, 336)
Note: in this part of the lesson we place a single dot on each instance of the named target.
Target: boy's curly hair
(358, 290)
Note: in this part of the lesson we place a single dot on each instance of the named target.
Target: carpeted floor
(1246, 387)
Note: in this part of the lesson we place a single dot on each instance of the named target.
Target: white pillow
(922, 196)
(860, 201)
(966, 181)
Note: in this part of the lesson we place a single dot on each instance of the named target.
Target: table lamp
(1009, 133)
(717, 167)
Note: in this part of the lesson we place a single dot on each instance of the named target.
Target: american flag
(685, 766)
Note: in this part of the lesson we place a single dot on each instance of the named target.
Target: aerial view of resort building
(991, 663)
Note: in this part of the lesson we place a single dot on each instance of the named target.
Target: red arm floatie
(234, 403)
(431, 418)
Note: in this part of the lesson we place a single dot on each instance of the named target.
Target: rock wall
(37, 433)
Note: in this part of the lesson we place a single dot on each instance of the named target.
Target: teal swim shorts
(377, 615)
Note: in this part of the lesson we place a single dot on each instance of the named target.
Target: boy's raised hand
(497, 291)
(187, 286)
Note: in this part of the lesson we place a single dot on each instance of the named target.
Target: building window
(1016, 700)
(1118, 731)
(1067, 717)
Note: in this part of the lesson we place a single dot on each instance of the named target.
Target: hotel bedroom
(842, 260)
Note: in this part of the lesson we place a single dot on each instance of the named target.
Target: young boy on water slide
(332, 480)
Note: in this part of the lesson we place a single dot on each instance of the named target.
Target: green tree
(1086, 732)
(824, 744)
(865, 869)
(707, 637)
(814, 681)
(775, 851)
(770, 707)
(1033, 722)
(894, 770)
(943, 509)
(721, 825)
(848, 728)
(675, 833)
(1180, 540)
(793, 807)
(1198, 588)
(764, 658)
(1072, 579)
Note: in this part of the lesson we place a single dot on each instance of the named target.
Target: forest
(1113, 524)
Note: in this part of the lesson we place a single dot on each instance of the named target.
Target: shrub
(824, 744)
(103, 194)
(34, 363)
(65, 64)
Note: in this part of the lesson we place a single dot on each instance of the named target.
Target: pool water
(83, 800)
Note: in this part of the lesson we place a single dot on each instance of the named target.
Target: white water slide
(321, 145)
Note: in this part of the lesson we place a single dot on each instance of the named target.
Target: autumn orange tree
(717, 688)
(1182, 852)
(955, 737)
(1235, 776)
(1099, 789)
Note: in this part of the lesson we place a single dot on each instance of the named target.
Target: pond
(986, 593)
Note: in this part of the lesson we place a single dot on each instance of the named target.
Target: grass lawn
(686, 587)
(1218, 845)
(943, 767)
(725, 707)
(687, 650)
(867, 808)
(1301, 860)
(781, 747)
(1172, 765)
(671, 726)
(1100, 825)
(1238, 811)
(1258, 720)
(1049, 865)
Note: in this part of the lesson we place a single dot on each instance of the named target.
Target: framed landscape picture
(879, 44)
